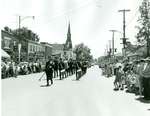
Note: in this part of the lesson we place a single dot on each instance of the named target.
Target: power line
(134, 16)
(63, 13)
(136, 13)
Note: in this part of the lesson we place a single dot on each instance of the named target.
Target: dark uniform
(70, 63)
(61, 67)
(77, 67)
(84, 67)
(49, 71)
(56, 66)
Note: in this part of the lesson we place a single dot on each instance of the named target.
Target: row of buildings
(27, 50)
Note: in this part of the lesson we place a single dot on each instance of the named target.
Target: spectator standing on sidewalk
(118, 78)
(146, 78)
(11, 71)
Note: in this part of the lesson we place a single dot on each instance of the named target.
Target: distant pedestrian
(49, 71)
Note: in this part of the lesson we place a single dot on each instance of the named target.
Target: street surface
(92, 95)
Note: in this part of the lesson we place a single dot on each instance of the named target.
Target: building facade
(36, 51)
(57, 50)
(30, 51)
(9, 44)
(48, 49)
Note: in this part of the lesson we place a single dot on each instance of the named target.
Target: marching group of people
(132, 75)
(62, 68)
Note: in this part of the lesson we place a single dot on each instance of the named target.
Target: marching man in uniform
(49, 70)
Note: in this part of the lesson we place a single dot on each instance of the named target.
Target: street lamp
(19, 45)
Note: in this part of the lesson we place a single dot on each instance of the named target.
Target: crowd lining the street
(12, 69)
(134, 76)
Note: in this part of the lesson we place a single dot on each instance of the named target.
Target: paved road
(93, 95)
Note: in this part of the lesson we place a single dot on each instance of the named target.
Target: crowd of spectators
(12, 69)
(133, 76)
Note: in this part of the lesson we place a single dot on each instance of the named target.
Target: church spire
(68, 44)
(69, 32)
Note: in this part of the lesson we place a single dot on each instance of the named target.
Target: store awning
(4, 54)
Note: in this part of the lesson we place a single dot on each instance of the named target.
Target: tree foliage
(83, 52)
(23, 33)
(144, 22)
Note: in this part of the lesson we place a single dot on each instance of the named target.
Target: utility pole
(110, 50)
(124, 28)
(19, 44)
(148, 43)
(113, 48)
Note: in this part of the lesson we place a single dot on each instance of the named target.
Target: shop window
(30, 48)
(7, 42)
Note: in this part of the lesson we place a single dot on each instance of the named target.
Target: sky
(90, 20)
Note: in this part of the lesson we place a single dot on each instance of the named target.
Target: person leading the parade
(49, 70)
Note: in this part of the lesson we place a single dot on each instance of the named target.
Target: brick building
(36, 51)
(30, 50)
(47, 48)
(9, 44)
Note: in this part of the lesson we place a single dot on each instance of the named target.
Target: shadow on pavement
(75, 80)
(141, 99)
(44, 86)
(58, 79)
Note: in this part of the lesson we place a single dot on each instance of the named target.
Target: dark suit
(61, 67)
(49, 71)
(56, 66)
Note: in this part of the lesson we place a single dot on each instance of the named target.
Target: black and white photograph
(75, 57)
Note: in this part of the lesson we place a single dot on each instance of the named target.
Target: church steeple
(69, 32)
(68, 44)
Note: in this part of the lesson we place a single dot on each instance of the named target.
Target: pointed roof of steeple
(69, 31)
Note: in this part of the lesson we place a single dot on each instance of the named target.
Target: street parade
(75, 58)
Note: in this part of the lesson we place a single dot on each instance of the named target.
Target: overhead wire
(66, 12)
(135, 15)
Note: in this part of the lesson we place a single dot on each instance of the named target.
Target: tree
(83, 52)
(6, 28)
(143, 34)
(26, 33)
